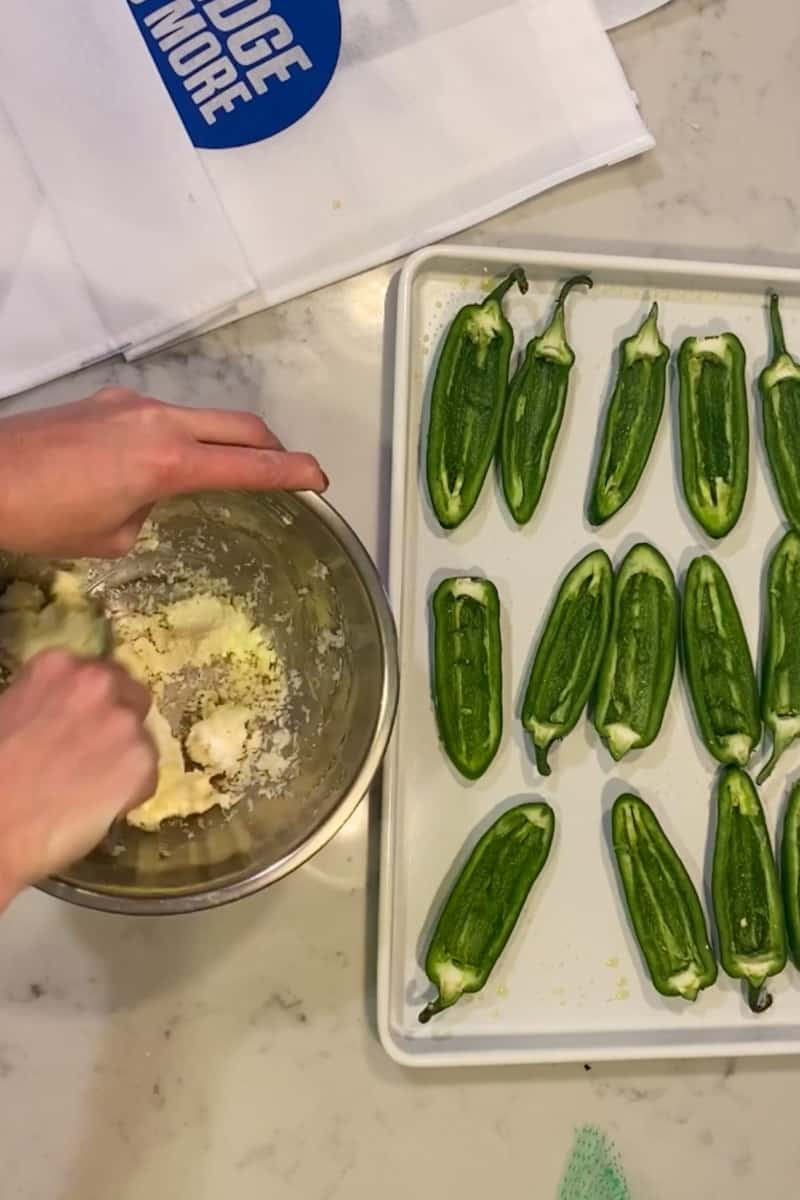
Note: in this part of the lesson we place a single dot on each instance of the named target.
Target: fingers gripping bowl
(299, 572)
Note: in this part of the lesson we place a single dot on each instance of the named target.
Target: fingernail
(326, 483)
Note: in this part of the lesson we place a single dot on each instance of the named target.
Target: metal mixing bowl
(304, 576)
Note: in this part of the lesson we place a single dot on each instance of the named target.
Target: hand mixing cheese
(30, 623)
(245, 681)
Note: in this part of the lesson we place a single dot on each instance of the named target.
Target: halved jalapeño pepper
(714, 430)
(779, 384)
(780, 685)
(718, 666)
(662, 902)
(636, 671)
(467, 672)
(487, 898)
(790, 871)
(467, 403)
(536, 401)
(632, 420)
(568, 655)
(748, 908)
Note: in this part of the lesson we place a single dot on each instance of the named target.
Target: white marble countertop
(234, 1053)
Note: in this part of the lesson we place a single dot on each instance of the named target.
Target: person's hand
(74, 755)
(80, 480)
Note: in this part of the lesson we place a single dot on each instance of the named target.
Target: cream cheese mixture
(248, 692)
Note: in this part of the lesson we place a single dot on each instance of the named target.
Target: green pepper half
(714, 430)
(568, 655)
(717, 664)
(536, 401)
(467, 672)
(662, 902)
(467, 403)
(632, 420)
(779, 384)
(748, 908)
(780, 683)
(638, 665)
(482, 909)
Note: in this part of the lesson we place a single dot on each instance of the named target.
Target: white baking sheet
(570, 984)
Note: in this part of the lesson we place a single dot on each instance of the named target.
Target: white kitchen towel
(129, 213)
(440, 114)
(48, 322)
(619, 12)
(435, 115)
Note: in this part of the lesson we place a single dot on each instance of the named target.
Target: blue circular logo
(240, 71)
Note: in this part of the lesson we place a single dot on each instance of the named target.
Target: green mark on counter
(593, 1171)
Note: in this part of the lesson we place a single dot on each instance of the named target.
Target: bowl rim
(199, 899)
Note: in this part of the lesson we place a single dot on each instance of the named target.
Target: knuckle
(122, 398)
(299, 471)
(254, 425)
(111, 394)
(149, 411)
(167, 460)
(145, 409)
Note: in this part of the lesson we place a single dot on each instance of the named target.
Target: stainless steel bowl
(309, 580)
